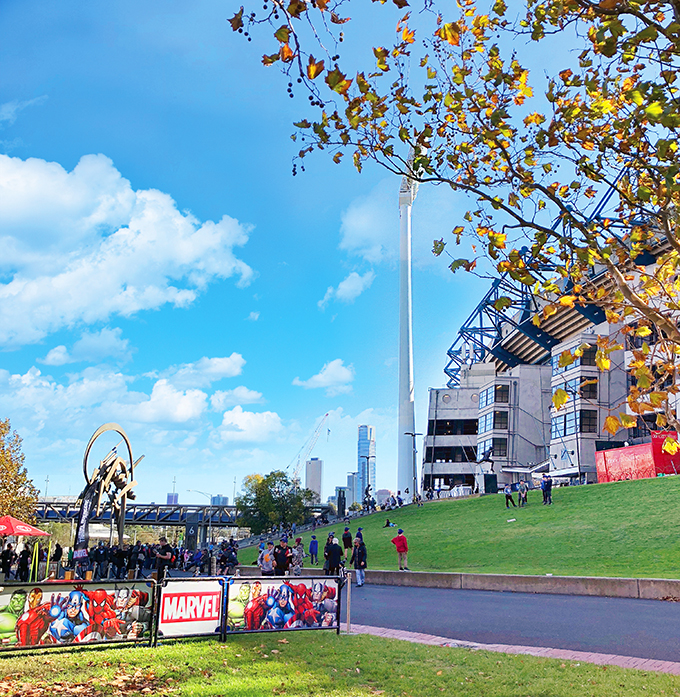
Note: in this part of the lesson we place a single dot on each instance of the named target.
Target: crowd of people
(285, 560)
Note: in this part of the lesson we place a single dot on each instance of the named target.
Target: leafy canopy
(453, 101)
(272, 499)
(18, 496)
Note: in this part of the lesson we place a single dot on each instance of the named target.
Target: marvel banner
(49, 614)
(190, 607)
(274, 603)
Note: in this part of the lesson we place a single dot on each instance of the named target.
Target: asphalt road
(621, 626)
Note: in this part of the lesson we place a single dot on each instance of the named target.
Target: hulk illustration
(237, 606)
(9, 614)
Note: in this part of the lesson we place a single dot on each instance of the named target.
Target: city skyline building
(314, 476)
(352, 488)
(365, 460)
(219, 500)
(173, 499)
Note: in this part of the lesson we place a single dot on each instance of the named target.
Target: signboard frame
(68, 613)
(162, 585)
(281, 580)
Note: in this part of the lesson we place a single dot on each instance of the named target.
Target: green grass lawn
(625, 528)
(316, 664)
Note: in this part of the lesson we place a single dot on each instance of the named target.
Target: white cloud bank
(81, 246)
(205, 371)
(334, 377)
(349, 289)
(91, 347)
(249, 426)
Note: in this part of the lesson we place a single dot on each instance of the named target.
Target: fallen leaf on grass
(284, 641)
(439, 672)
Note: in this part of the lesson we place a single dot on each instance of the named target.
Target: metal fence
(90, 613)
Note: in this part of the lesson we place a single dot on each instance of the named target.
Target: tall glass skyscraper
(366, 460)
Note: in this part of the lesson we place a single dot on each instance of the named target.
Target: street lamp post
(415, 465)
(209, 497)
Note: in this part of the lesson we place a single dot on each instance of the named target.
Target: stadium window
(589, 391)
(430, 427)
(570, 423)
(588, 421)
(500, 447)
(500, 420)
(557, 426)
(503, 393)
(588, 357)
(469, 427)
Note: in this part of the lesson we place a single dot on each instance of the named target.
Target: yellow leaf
(627, 421)
(602, 360)
(314, 68)
(643, 331)
(565, 359)
(450, 32)
(286, 53)
(670, 446)
(567, 300)
(560, 398)
(611, 424)
(536, 320)
(408, 36)
(549, 311)
(657, 399)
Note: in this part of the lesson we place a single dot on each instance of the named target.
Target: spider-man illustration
(305, 614)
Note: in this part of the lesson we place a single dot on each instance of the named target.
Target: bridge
(144, 514)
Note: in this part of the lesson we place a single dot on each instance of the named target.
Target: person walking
(298, 557)
(334, 555)
(283, 555)
(522, 492)
(23, 565)
(358, 560)
(347, 542)
(6, 560)
(314, 551)
(401, 543)
(265, 560)
(163, 558)
(546, 486)
(508, 496)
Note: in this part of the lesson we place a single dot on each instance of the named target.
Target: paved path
(646, 629)
(563, 654)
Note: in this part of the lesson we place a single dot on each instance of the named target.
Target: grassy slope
(316, 664)
(621, 529)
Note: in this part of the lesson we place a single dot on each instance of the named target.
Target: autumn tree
(18, 496)
(271, 499)
(571, 176)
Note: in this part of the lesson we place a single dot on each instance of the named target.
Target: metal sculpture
(111, 482)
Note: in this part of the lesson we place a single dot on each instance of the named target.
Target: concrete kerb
(645, 588)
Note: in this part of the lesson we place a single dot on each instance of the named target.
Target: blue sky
(163, 269)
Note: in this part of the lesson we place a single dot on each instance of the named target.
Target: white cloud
(253, 316)
(167, 404)
(239, 395)
(81, 246)
(353, 286)
(10, 110)
(205, 371)
(92, 347)
(335, 377)
(248, 426)
(370, 224)
(349, 289)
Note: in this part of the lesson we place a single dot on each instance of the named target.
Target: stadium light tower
(407, 418)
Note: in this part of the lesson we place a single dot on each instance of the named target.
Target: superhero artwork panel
(280, 603)
(190, 607)
(58, 614)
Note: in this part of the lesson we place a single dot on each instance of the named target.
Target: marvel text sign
(190, 608)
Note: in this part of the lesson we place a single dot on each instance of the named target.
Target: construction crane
(306, 450)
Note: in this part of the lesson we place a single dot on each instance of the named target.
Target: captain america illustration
(70, 619)
(281, 609)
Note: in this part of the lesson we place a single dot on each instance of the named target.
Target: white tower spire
(407, 419)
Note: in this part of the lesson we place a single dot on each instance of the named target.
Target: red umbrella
(12, 526)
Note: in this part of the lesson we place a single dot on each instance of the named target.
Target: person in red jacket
(401, 543)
